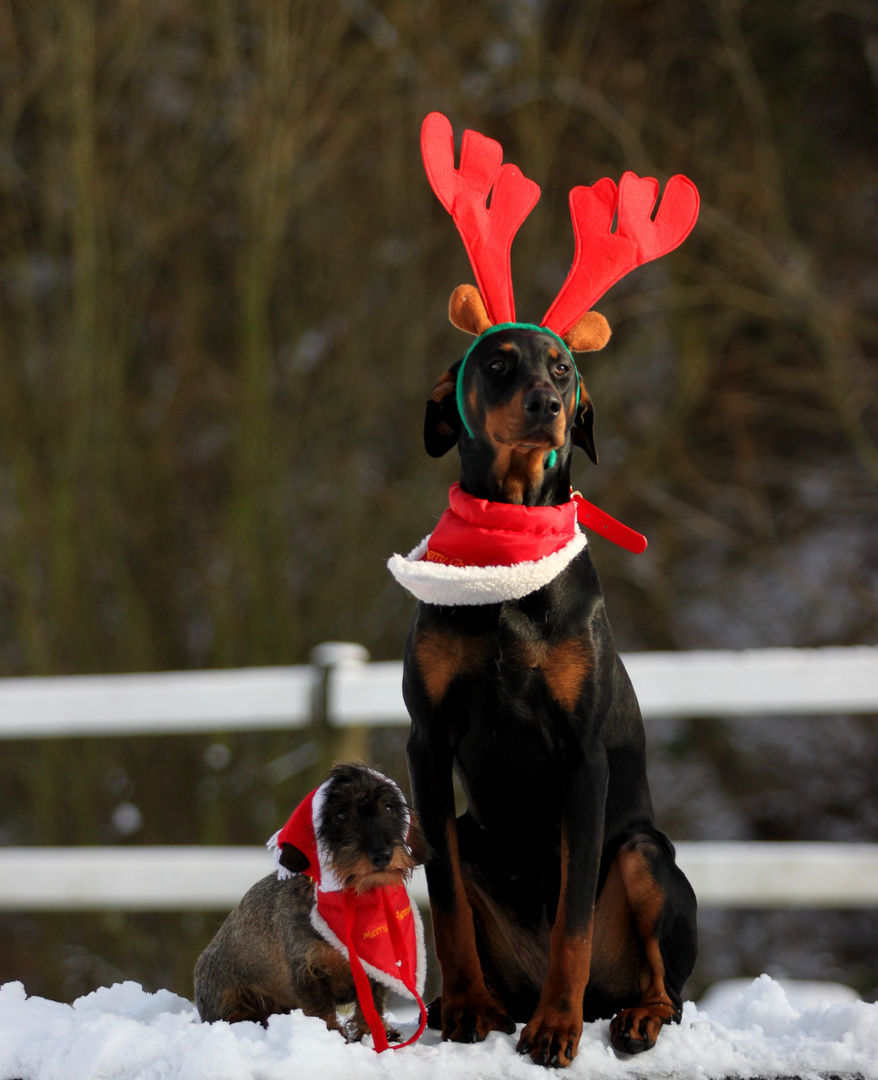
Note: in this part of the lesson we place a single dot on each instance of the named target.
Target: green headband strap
(494, 330)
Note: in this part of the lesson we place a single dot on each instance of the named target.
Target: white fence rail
(752, 875)
(762, 682)
(753, 682)
(341, 690)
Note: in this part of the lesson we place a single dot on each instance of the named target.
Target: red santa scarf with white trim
(484, 552)
(379, 932)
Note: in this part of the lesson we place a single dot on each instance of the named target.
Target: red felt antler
(603, 255)
(487, 232)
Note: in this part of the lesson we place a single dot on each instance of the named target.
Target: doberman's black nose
(542, 403)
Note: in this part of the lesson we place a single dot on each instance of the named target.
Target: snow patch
(761, 1029)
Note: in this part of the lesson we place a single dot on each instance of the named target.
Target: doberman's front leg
(552, 1035)
(435, 658)
(469, 1009)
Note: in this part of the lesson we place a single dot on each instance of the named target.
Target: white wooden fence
(345, 690)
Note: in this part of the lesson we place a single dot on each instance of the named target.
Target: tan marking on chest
(565, 666)
(441, 657)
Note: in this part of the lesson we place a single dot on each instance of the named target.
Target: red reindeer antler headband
(616, 229)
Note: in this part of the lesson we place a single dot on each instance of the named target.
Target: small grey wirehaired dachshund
(279, 949)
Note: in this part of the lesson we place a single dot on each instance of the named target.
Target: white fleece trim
(421, 966)
(273, 845)
(384, 977)
(451, 586)
(329, 880)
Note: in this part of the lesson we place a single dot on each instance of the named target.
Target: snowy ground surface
(122, 1032)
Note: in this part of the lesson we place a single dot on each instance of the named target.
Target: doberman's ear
(442, 420)
(292, 859)
(467, 311)
(589, 333)
(583, 425)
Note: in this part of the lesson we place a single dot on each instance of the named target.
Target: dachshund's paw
(637, 1029)
(356, 1030)
(551, 1037)
(469, 1018)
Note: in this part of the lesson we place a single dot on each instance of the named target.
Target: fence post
(336, 744)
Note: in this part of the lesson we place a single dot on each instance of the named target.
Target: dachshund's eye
(391, 809)
(499, 366)
(341, 815)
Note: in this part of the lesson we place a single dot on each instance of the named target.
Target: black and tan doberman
(554, 897)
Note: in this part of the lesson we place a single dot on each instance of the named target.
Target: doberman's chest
(518, 674)
(509, 688)
(509, 702)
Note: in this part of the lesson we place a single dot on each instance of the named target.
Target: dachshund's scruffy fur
(267, 958)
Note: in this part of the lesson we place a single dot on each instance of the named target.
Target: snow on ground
(122, 1033)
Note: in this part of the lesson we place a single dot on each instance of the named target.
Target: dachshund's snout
(380, 855)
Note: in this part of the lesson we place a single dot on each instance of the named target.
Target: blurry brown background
(223, 281)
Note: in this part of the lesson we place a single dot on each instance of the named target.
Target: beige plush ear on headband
(589, 333)
(467, 312)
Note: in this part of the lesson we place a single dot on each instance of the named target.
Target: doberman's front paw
(469, 1019)
(637, 1029)
(552, 1037)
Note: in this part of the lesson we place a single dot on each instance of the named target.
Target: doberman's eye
(561, 369)
(498, 365)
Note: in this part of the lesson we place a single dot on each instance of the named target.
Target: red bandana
(379, 932)
(477, 532)
(376, 931)
(484, 552)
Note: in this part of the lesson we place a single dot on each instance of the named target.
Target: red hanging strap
(407, 969)
(592, 517)
(361, 979)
